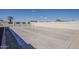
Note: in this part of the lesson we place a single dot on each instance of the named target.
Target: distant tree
(33, 21)
(73, 20)
(1, 22)
(10, 18)
(28, 22)
(23, 22)
(1, 19)
(59, 20)
(17, 22)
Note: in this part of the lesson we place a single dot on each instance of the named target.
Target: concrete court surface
(48, 38)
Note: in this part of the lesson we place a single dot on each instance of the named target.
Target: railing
(20, 41)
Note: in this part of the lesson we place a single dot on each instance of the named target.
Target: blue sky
(39, 14)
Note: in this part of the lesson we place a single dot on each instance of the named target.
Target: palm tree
(10, 18)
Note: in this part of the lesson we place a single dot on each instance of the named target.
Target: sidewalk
(46, 38)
